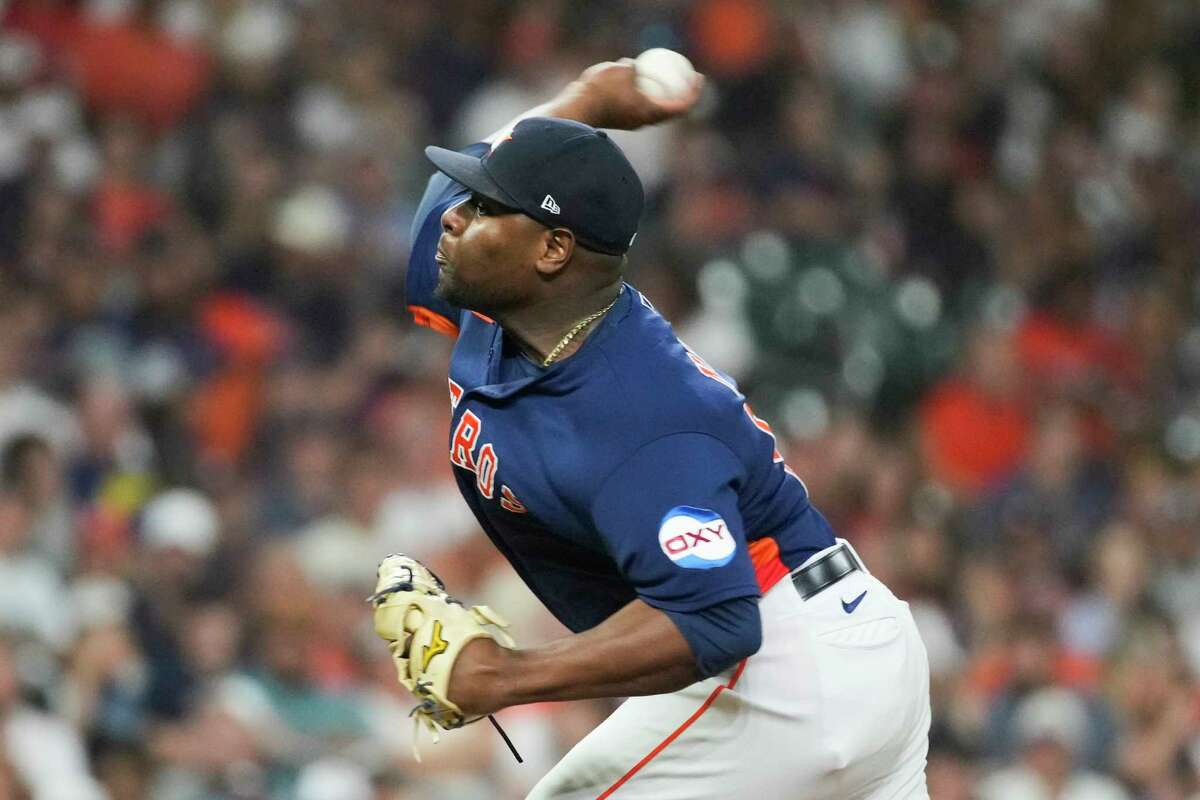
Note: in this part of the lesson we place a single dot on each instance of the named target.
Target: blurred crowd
(948, 247)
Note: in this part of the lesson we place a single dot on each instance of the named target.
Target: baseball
(663, 74)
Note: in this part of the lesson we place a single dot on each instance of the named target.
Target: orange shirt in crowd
(972, 439)
(125, 68)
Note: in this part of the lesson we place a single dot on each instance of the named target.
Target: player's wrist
(606, 95)
(480, 683)
(577, 102)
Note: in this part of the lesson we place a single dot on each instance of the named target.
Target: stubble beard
(473, 298)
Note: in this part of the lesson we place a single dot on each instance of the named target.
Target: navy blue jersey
(631, 469)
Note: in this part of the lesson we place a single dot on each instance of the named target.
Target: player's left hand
(606, 94)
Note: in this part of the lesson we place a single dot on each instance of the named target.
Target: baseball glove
(426, 629)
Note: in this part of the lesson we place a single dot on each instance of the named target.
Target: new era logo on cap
(550, 205)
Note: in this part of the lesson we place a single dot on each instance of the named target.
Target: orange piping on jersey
(485, 318)
(434, 321)
(768, 568)
(678, 731)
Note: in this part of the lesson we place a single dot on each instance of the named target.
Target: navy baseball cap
(563, 174)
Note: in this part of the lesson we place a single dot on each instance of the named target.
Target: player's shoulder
(666, 384)
(645, 387)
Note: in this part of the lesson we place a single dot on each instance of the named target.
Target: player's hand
(606, 96)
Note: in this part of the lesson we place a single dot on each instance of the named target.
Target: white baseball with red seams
(663, 74)
(786, 722)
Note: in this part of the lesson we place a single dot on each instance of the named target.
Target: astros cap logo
(507, 137)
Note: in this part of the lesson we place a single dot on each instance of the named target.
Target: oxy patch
(696, 538)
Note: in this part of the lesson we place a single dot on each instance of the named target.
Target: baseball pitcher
(637, 494)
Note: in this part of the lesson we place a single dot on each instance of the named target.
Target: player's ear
(558, 247)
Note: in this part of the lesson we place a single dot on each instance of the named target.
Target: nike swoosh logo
(853, 604)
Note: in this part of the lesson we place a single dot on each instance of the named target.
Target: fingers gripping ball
(663, 74)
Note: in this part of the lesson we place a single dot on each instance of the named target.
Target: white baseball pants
(834, 706)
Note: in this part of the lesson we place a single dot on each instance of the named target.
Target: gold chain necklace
(571, 334)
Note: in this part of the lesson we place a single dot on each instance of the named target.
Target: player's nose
(454, 219)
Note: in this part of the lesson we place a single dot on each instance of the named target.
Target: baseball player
(637, 494)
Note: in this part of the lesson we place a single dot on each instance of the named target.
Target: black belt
(825, 571)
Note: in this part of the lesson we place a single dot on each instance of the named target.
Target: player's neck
(537, 329)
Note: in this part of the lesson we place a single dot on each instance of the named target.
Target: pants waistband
(826, 569)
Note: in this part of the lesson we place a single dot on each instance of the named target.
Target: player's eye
(487, 207)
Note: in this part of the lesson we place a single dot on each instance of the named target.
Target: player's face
(485, 255)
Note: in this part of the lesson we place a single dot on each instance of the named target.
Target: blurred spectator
(1095, 622)
(105, 689)
(976, 428)
(948, 249)
(1039, 662)
(330, 779)
(337, 551)
(33, 473)
(290, 718)
(30, 587)
(179, 529)
(305, 488)
(949, 774)
(1160, 716)
(46, 754)
(25, 407)
(1059, 498)
(1051, 725)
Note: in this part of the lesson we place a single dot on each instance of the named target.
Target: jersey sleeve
(721, 635)
(669, 517)
(426, 307)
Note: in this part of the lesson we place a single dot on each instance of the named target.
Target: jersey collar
(562, 374)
